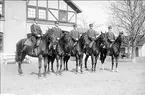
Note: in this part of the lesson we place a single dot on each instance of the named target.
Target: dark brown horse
(28, 51)
(114, 51)
(63, 49)
(42, 49)
(95, 49)
(80, 49)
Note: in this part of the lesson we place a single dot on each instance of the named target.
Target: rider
(75, 33)
(36, 33)
(110, 36)
(92, 34)
(58, 31)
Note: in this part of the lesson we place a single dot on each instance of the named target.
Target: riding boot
(74, 43)
(24, 49)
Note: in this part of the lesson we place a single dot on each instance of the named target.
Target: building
(139, 49)
(17, 16)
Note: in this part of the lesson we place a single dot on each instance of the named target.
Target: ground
(130, 80)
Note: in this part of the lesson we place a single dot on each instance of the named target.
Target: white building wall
(143, 50)
(15, 24)
(140, 51)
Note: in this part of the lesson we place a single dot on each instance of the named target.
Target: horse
(79, 50)
(114, 51)
(50, 56)
(63, 49)
(41, 48)
(94, 51)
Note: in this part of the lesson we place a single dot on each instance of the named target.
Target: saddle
(29, 41)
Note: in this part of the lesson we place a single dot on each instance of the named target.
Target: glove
(57, 38)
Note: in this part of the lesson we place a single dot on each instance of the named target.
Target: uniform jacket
(110, 36)
(58, 32)
(92, 33)
(74, 34)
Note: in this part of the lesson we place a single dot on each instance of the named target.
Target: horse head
(103, 39)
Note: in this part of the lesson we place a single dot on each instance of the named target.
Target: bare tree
(130, 16)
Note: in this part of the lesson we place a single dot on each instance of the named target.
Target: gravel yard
(130, 80)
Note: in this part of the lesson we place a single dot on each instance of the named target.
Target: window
(42, 14)
(48, 10)
(31, 12)
(2, 7)
(62, 15)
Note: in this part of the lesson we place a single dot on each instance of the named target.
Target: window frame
(3, 12)
(47, 9)
(33, 7)
(42, 8)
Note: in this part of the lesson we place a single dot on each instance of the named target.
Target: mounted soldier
(74, 33)
(110, 36)
(58, 31)
(92, 34)
(34, 40)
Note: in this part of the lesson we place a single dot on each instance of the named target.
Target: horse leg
(48, 69)
(45, 65)
(81, 64)
(67, 63)
(92, 59)
(52, 61)
(96, 58)
(40, 65)
(20, 72)
(102, 62)
(77, 58)
(86, 59)
(112, 63)
(57, 64)
(64, 63)
(61, 61)
(117, 64)
(103, 59)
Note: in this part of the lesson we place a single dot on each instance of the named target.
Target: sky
(94, 12)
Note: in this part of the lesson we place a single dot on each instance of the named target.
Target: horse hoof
(86, 69)
(81, 72)
(21, 74)
(39, 77)
(117, 70)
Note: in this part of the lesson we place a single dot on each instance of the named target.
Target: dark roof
(73, 6)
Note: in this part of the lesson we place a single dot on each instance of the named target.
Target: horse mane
(118, 39)
(117, 42)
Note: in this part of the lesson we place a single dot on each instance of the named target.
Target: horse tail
(19, 47)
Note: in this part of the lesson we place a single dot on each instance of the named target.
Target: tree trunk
(133, 52)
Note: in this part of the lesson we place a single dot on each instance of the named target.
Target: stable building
(16, 17)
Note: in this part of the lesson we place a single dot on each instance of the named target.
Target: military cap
(91, 25)
(35, 19)
(110, 27)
